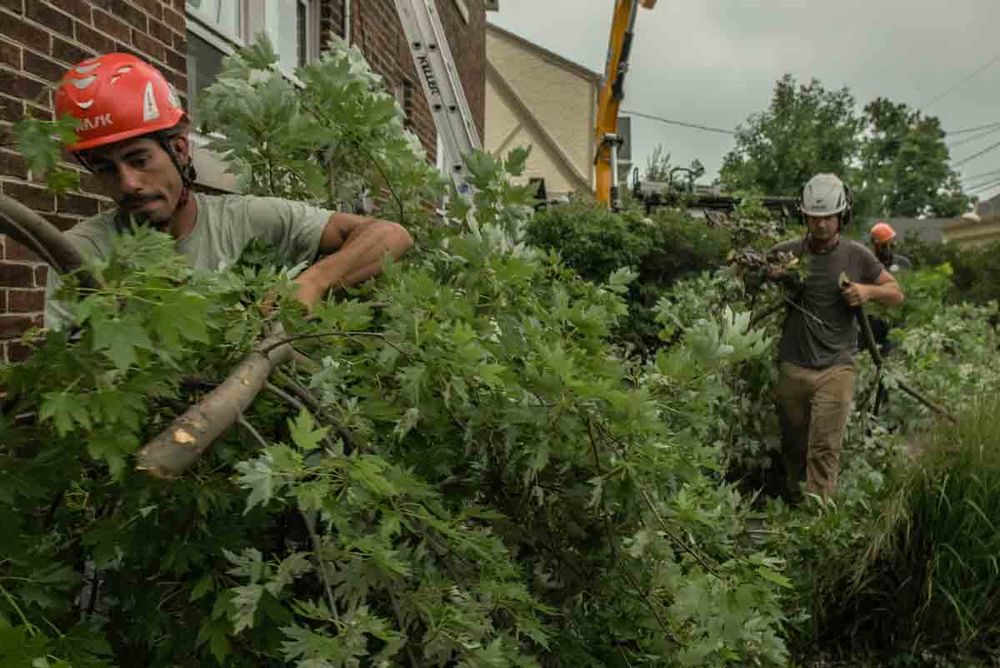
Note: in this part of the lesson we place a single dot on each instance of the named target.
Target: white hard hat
(824, 195)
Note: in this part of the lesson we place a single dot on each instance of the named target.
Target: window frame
(211, 167)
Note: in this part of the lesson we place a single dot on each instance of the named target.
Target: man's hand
(308, 292)
(856, 294)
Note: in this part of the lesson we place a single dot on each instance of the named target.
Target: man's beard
(129, 205)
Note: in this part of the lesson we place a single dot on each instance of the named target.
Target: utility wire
(967, 130)
(970, 187)
(991, 147)
(980, 175)
(984, 188)
(976, 137)
(961, 81)
(669, 121)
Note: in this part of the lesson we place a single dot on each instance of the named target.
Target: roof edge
(551, 56)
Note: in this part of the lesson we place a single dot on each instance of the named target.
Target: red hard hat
(115, 97)
(882, 232)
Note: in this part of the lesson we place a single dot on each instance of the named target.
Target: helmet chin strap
(187, 172)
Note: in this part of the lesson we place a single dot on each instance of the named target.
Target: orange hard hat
(882, 232)
(115, 97)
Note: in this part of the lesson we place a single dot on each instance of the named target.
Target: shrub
(661, 249)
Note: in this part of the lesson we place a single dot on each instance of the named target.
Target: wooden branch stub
(179, 446)
(42, 238)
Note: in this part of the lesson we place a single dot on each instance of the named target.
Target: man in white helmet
(816, 380)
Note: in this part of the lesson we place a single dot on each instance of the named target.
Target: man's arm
(355, 247)
(885, 290)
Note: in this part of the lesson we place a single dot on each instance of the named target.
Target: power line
(683, 124)
(961, 81)
(976, 137)
(978, 127)
(991, 147)
(970, 187)
(984, 187)
(980, 175)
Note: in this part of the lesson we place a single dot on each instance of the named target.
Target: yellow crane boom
(610, 98)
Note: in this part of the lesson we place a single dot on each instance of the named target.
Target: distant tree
(904, 167)
(805, 130)
(658, 168)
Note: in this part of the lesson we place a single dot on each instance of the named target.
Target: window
(216, 28)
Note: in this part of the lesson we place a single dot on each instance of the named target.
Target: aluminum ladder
(457, 134)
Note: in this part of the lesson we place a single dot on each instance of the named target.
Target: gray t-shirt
(225, 226)
(826, 334)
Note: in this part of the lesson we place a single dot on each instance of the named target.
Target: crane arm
(612, 92)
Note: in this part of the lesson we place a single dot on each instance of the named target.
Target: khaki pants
(813, 407)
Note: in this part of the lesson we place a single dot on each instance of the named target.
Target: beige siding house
(535, 97)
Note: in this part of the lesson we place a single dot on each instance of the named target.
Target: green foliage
(660, 249)
(330, 141)
(807, 129)
(40, 142)
(975, 276)
(927, 574)
(894, 157)
(462, 473)
(904, 165)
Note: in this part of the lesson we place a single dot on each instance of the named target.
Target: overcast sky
(714, 62)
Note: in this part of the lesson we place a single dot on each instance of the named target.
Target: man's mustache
(134, 201)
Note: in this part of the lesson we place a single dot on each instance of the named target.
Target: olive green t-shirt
(224, 227)
(823, 331)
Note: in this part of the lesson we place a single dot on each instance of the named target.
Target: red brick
(10, 55)
(11, 109)
(39, 112)
(148, 45)
(60, 221)
(160, 31)
(20, 86)
(18, 352)
(92, 39)
(175, 19)
(49, 17)
(152, 7)
(21, 31)
(16, 251)
(17, 275)
(3, 301)
(77, 204)
(12, 164)
(78, 9)
(16, 6)
(13, 326)
(68, 52)
(40, 274)
(33, 198)
(42, 67)
(111, 26)
(129, 13)
(25, 301)
(175, 60)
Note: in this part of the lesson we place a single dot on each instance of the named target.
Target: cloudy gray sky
(714, 62)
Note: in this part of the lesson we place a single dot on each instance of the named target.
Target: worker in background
(133, 135)
(815, 390)
(883, 239)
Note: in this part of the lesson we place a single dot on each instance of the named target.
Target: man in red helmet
(133, 135)
(883, 239)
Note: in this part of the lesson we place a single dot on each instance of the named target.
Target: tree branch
(42, 238)
(175, 449)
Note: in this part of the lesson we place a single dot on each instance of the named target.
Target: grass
(927, 577)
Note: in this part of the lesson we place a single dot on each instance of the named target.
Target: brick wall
(376, 30)
(39, 41)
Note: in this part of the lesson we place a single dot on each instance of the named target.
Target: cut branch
(175, 449)
(42, 238)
